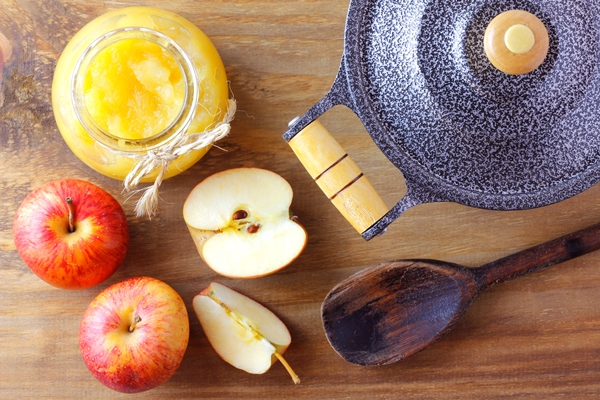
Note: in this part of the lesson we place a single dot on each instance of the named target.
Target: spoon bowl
(415, 300)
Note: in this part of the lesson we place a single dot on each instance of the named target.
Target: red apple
(71, 233)
(134, 334)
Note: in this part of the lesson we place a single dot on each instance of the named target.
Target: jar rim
(178, 126)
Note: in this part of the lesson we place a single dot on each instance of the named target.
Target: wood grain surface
(535, 337)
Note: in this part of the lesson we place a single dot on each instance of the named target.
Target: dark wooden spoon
(393, 310)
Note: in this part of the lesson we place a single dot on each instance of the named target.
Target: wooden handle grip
(541, 256)
(338, 176)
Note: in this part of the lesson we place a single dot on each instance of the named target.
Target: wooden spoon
(393, 310)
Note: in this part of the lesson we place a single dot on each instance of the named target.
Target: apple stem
(71, 214)
(289, 369)
(136, 321)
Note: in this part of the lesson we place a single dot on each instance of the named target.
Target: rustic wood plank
(537, 336)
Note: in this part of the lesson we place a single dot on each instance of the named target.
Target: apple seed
(239, 214)
(253, 228)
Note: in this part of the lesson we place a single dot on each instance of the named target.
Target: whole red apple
(71, 233)
(134, 334)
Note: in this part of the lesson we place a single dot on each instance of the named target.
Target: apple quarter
(242, 331)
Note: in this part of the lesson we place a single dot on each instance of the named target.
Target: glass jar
(136, 84)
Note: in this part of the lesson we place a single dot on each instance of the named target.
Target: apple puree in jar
(148, 95)
(132, 80)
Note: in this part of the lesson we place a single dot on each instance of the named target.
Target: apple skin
(71, 260)
(132, 362)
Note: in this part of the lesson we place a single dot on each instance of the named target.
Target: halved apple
(241, 223)
(243, 332)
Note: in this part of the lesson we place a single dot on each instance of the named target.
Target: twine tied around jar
(160, 159)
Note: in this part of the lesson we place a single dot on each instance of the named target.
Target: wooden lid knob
(516, 42)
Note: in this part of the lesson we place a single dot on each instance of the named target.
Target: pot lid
(439, 100)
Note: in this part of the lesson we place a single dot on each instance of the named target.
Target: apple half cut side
(241, 223)
(243, 332)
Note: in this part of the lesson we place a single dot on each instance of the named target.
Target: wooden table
(535, 337)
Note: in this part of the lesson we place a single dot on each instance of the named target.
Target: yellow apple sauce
(148, 95)
(130, 81)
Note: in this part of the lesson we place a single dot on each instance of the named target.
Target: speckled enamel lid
(416, 74)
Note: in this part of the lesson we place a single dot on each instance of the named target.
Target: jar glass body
(207, 91)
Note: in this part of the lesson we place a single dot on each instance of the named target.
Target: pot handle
(338, 95)
(338, 176)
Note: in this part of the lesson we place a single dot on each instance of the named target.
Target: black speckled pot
(416, 74)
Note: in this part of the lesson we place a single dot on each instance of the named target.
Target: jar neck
(178, 126)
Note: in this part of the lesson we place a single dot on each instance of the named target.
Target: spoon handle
(541, 256)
